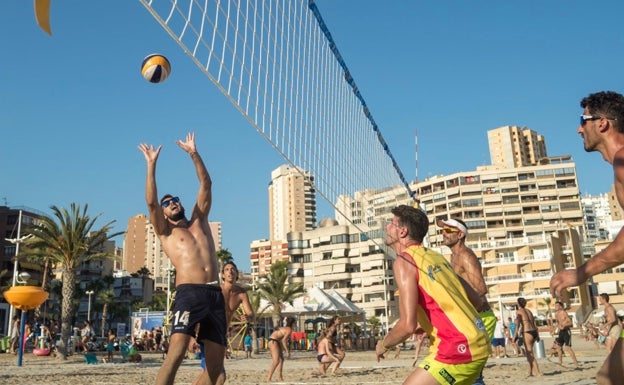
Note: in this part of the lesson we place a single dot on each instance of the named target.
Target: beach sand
(359, 367)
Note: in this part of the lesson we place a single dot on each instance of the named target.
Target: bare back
(324, 347)
(527, 320)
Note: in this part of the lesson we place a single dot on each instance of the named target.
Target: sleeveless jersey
(454, 327)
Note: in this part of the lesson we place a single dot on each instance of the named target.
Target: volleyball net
(276, 61)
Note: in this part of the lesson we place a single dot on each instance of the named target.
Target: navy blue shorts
(498, 342)
(200, 304)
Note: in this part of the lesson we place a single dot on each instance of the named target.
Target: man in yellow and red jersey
(433, 297)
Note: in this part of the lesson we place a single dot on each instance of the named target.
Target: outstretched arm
(204, 196)
(151, 194)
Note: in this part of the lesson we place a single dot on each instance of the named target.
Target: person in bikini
(278, 343)
(524, 318)
(325, 353)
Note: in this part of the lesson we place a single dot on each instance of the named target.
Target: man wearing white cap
(467, 266)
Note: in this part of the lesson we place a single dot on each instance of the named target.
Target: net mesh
(276, 61)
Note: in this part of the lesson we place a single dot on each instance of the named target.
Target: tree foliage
(68, 240)
(276, 289)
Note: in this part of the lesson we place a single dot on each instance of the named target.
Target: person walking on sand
(435, 298)
(278, 344)
(602, 129)
(325, 353)
(190, 246)
(531, 335)
(564, 337)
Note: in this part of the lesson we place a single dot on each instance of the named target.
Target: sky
(74, 107)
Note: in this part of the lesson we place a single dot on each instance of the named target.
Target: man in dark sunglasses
(602, 129)
(199, 308)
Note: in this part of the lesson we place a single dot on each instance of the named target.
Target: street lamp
(89, 293)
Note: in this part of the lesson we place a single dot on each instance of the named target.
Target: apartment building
(348, 259)
(292, 202)
(524, 224)
(513, 146)
(292, 207)
(263, 252)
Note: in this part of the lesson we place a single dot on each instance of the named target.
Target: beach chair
(91, 358)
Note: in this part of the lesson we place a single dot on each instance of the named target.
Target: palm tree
(106, 298)
(277, 290)
(144, 272)
(68, 242)
(224, 256)
(375, 324)
(547, 301)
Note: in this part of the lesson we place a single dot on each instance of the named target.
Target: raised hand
(189, 144)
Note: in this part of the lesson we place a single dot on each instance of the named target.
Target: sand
(359, 367)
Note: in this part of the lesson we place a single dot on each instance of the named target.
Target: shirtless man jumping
(190, 246)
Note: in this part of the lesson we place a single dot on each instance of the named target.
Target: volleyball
(155, 68)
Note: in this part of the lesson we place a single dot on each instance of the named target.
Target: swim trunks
(200, 304)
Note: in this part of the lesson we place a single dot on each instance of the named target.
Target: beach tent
(343, 300)
(317, 301)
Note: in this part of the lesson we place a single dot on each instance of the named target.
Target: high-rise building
(292, 202)
(513, 146)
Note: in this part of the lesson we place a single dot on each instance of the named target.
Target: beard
(178, 216)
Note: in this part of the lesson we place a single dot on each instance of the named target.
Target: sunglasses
(448, 230)
(586, 118)
(166, 203)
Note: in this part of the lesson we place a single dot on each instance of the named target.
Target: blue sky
(73, 106)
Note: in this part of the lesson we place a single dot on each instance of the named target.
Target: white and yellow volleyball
(155, 68)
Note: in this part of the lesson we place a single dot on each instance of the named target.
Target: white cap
(452, 223)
